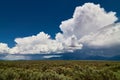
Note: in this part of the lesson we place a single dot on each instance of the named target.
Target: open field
(59, 70)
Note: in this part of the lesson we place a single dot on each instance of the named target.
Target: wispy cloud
(15, 57)
(51, 56)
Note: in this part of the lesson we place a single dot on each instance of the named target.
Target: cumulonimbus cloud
(86, 19)
(89, 19)
(85, 28)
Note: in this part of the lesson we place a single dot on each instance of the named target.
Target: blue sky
(59, 29)
(20, 18)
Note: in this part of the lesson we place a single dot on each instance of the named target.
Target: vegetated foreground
(59, 70)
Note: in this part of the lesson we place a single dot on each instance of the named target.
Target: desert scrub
(59, 70)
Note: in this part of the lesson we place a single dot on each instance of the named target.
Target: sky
(20, 18)
(45, 27)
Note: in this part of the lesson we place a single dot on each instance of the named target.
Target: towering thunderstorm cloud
(90, 26)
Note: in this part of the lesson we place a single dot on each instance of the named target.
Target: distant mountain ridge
(84, 54)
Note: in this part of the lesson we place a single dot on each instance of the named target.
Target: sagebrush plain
(59, 70)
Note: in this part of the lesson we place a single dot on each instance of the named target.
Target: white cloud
(86, 19)
(108, 36)
(4, 48)
(40, 43)
(70, 44)
(86, 27)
